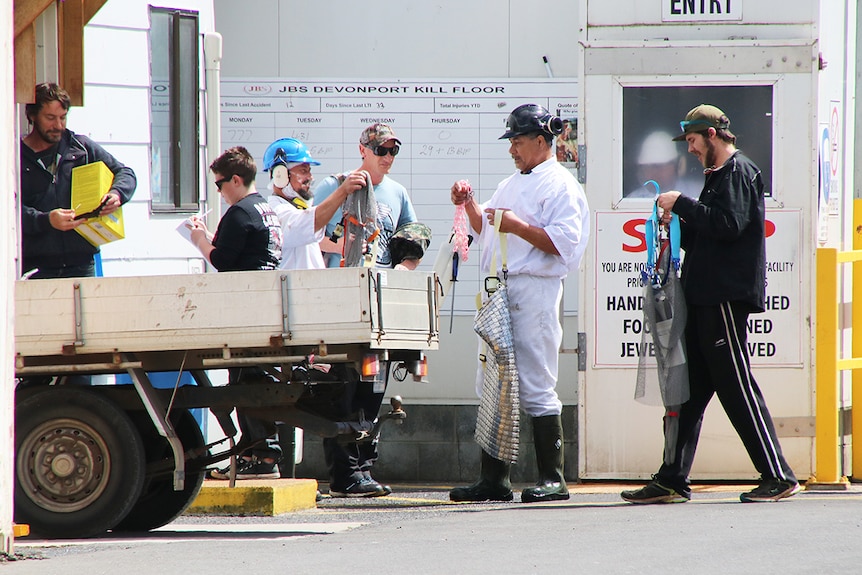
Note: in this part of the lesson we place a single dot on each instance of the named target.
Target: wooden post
(71, 43)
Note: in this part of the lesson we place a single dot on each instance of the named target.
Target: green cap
(701, 118)
(377, 135)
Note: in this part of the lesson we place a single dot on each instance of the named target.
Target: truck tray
(266, 311)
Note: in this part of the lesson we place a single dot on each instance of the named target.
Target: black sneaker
(253, 468)
(770, 490)
(386, 489)
(654, 492)
(362, 487)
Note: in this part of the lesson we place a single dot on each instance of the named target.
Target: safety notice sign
(773, 336)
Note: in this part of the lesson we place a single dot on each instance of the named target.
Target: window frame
(181, 194)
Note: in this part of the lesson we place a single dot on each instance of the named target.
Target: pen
(547, 66)
(200, 217)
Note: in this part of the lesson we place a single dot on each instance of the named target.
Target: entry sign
(773, 336)
(700, 10)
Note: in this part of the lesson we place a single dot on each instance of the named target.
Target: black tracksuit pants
(718, 363)
(348, 462)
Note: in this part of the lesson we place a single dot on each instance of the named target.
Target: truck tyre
(159, 504)
(79, 465)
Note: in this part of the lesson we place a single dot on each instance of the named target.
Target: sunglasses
(686, 123)
(381, 151)
(220, 183)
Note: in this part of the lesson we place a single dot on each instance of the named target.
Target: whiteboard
(449, 131)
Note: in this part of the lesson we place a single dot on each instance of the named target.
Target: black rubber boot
(548, 440)
(493, 484)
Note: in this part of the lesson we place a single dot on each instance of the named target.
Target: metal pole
(212, 79)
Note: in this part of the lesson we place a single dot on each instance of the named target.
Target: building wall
(378, 39)
(116, 113)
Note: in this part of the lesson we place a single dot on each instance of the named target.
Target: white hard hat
(658, 148)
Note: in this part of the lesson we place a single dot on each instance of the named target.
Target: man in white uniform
(546, 215)
(289, 164)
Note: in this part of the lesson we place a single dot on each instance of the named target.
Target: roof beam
(26, 12)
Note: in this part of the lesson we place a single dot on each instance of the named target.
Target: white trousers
(534, 305)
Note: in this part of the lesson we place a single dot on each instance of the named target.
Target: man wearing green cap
(378, 146)
(724, 280)
(401, 241)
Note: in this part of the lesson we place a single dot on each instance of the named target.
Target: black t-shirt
(48, 158)
(248, 237)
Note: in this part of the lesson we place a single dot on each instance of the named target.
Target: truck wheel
(79, 464)
(159, 504)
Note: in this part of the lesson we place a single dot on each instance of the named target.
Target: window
(174, 96)
(651, 117)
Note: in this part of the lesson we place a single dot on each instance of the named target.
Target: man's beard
(304, 191)
(709, 157)
(49, 136)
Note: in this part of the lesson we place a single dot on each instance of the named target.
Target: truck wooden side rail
(90, 458)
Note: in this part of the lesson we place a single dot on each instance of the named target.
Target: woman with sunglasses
(248, 237)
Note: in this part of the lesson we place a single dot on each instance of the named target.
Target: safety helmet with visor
(530, 118)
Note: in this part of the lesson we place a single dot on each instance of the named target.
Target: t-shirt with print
(394, 209)
(248, 237)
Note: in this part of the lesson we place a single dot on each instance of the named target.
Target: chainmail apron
(498, 420)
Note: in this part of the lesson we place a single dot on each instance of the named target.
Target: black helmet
(529, 118)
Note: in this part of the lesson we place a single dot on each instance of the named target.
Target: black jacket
(43, 246)
(723, 237)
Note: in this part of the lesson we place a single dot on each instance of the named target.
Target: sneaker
(253, 468)
(654, 492)
(362, 487)
(770, 490)
(386, 489)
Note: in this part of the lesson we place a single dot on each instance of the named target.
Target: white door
(628, 119)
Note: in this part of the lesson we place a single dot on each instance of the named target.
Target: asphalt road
(418, 531)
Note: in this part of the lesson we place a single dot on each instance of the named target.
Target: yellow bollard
(856, 387)
(827, 464)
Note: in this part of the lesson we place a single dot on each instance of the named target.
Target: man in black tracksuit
(48, 154)
(724, 280)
